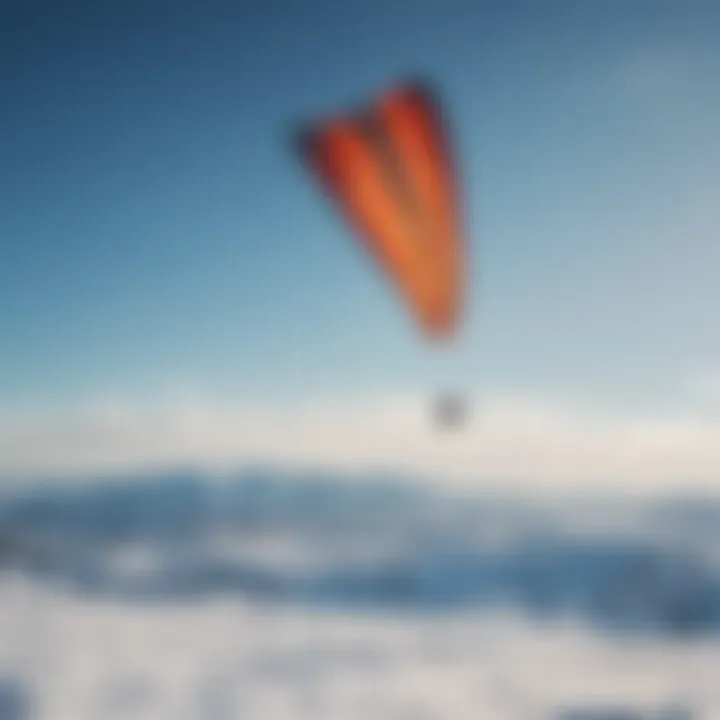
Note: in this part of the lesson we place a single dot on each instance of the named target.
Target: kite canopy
(388, 167)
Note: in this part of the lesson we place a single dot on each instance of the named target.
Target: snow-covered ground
(216, 607)
(224, 658)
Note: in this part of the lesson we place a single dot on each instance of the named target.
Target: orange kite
(388, 166)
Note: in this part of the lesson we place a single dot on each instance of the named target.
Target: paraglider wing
(388, 167)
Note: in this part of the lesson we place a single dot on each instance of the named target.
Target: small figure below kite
(388, 167)
(450, 411)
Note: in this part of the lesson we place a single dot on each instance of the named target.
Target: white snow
(83, 659)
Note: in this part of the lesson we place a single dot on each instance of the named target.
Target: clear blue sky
(155, 226)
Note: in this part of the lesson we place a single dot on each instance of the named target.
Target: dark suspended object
(451, 411)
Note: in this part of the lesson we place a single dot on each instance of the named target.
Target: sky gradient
(159, 240)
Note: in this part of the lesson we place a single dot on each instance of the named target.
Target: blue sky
(156, 231)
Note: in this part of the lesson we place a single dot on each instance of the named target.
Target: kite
(388, 168)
